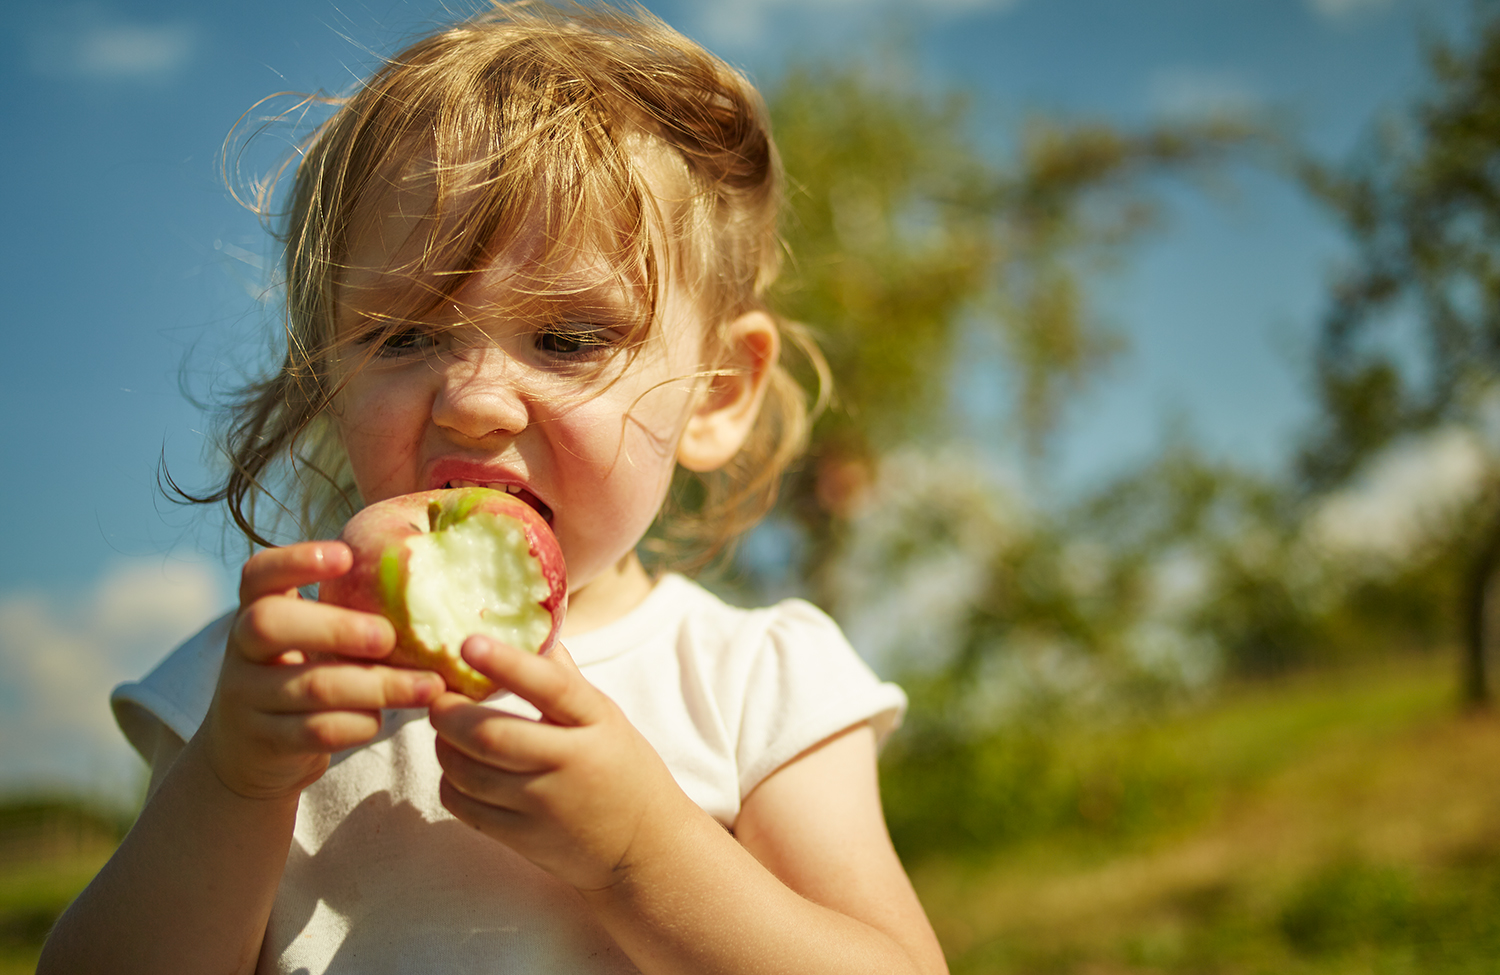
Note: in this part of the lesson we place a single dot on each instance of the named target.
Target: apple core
(476, 576)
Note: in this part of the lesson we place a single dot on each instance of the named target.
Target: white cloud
(1344, 9)
(1406, 495)
(1184, 92)
(59, 658)
(88, 42)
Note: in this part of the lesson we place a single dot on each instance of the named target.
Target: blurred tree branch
(1411, 339)
(908, 235)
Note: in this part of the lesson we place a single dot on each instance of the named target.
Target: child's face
(543, 402)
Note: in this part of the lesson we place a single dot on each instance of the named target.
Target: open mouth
(514, 490)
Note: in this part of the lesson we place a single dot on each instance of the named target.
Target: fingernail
(429, 687)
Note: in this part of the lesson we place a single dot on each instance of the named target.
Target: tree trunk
(1474, 686)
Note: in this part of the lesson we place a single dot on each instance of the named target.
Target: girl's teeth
(507, 488)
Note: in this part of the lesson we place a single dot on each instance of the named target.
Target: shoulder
(793, 675)
(713, 627)
(176, 693)
(792, 633)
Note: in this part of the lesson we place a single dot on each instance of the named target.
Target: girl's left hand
(577, 792)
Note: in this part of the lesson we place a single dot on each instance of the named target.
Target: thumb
(551, 681)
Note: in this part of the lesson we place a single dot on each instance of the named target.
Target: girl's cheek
(380, 432)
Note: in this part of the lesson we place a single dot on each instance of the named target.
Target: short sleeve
(804, 684)
(176, 693)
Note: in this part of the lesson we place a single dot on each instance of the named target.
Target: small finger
(504, 741)
(347, 686)
(281, 570)
(320, 732)
(552, 683)
(267, 628)
(483, 781)
(496, 822)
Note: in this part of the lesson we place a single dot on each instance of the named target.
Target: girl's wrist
(671, 842)
(205, 764)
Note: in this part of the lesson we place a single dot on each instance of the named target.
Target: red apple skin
(377, 536)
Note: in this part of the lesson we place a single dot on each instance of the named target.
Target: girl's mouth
(514, 490)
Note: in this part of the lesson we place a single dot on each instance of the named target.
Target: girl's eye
(581, 342)
(401, 342)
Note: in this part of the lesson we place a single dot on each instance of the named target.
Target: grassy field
(1345, 824)
(32, 894)
(1341, 824)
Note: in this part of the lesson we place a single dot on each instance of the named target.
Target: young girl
(529, 253)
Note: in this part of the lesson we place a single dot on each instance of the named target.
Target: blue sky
(130, 270)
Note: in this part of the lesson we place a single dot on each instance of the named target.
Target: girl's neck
(607, 597)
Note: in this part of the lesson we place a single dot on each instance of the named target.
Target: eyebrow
(569, 296)
(587, 283)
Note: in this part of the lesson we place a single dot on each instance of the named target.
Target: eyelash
(580, 343)
(406, 341)
(567, 343)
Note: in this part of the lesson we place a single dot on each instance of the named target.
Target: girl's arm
(191, 887)
(817, 825)
(808, 883)
(825, 892)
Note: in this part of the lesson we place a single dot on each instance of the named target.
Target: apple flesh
(443, 565)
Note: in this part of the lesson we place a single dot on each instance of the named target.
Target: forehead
(420, 239)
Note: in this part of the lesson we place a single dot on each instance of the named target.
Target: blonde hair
(530, 114)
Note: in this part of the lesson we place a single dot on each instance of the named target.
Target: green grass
(1111, 786)
(1340, 824)
(32, 895)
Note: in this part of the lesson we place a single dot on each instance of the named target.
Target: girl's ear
(728, 404)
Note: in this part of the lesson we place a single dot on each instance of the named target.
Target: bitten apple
(443, 565)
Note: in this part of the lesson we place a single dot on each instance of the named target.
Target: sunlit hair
(588, 132)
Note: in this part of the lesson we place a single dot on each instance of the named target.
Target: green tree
(1422, 207)
(910, 236)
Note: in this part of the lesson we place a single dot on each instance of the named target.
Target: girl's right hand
(300, 679)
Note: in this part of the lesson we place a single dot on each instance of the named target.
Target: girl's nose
(480, 396)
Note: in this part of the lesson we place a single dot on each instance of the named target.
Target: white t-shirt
(382, 879)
